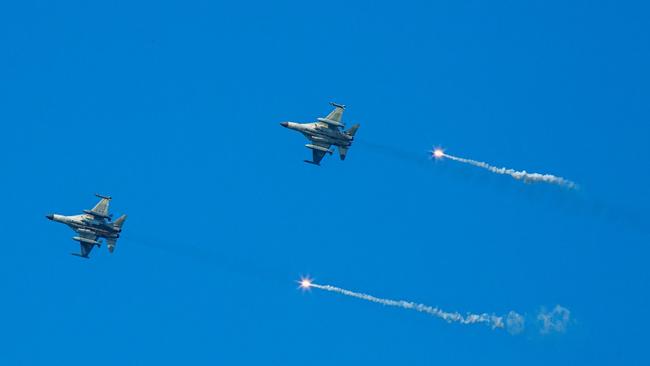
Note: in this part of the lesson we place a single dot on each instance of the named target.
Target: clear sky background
(174, 110)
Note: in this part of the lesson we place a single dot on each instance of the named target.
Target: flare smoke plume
(487, 319)
(519, 175)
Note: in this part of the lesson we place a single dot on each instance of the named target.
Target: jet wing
(86, 241)
(101, 208)
(317, 156)
(85, 250)
(318, 153)
(337, 114)
(334, 119)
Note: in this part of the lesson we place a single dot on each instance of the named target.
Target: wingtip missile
(342, 106)
(97, 214)
(103, 197)
(319, 148)
(87, 241)
(311, 162)
(330, 122)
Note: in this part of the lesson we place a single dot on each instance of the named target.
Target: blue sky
(174, 110)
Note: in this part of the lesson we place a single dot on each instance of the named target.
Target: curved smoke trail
(519, 175)
(488, 319)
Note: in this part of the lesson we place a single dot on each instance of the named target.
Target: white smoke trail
(519, 175)
(555, 320)
(515, 323)
(488, 319)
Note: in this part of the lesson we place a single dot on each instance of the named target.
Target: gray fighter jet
(324, 133)
(92, 226)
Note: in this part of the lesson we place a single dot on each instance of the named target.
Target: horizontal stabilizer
(343, 152)
(80, 255)
(311, 162)
(111, 244)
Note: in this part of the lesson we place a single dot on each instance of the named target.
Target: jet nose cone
(284, 124)
(50, 217)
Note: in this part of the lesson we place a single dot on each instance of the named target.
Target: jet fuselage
(100, 228)
(317, 132)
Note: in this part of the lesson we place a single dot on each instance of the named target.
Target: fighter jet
(324, 133)
(92, 226)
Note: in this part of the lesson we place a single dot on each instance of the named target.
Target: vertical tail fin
(120, 221)
(353, 130)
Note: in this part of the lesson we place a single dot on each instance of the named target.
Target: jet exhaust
(518, 175)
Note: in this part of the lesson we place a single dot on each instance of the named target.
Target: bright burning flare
(305, 283)
(438, 153)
